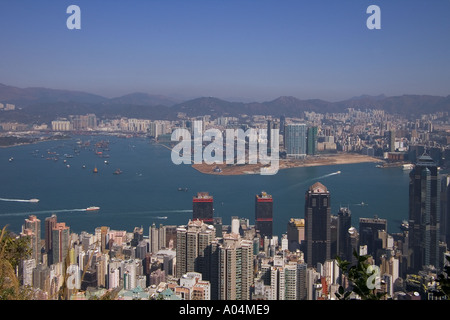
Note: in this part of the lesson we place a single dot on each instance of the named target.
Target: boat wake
(313, 179)
(20, 200)
(42, 212)
(327, 175)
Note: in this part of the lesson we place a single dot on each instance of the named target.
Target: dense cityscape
(210, 259)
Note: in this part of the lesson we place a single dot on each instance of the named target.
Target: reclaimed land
(321, 160)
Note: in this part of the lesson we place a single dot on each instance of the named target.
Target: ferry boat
(408, 166)
(404, 226)
(93, 209)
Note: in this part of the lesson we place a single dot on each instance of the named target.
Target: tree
(361, 276)
(444, 280)
(12, 251)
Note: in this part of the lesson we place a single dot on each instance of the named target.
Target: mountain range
(40, 105)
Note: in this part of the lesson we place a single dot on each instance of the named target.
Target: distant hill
(38, 105)
(144, 99)
(31, 96)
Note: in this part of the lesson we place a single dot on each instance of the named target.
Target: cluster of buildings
(7, 107)
(372, 132)
(206, 259)
(209, 260)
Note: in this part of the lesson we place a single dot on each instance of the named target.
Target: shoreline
(323, 160)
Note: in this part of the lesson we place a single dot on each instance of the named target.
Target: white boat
(93, 209)
(408, 166)
(34, 200)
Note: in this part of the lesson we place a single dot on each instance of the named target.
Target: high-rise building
(50, 223)
(353, 244)
(32, 228)
(317, 224)
(392, 140)
(235, 267)
(60, 242)
(312, 140)
(424, 214)
(344, 224)
(264, 214)
(203, 207)
(369, 229)
(193, 250)
(295, 234)
(295, 140)
(445, 209)
(154, 240)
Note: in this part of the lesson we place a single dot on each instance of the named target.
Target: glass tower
(424, 211)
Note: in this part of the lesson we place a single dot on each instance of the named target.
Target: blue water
(148, 188)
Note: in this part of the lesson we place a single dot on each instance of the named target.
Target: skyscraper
(317, 224)
(264, 214)
(312, 140)
(50, 223)
(193, 249)
(445, 209)
(392, 140)
(33, 225)
(60, 242)
(235, 267)
(203, 207)
(344, 224)
(424, 214)
(295, 233)
(368, 234)
(295, 140)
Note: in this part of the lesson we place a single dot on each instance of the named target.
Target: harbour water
(147, 189)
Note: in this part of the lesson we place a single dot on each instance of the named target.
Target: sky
(246, 50)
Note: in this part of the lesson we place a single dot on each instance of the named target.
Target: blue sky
(250, 50)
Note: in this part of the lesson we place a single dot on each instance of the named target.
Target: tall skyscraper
(424, 214)
(344, 224)
(392, 140)
(235, 267)
(317, 224)
(295, 234)
(50, 223)
(32, 228)
(193, 250)
(368, 234)
(264, 214)
(203, 207)
(312, 140)
(60, 242)
(295, 140)
(445, 209)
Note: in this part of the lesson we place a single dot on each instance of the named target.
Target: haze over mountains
(37, 105)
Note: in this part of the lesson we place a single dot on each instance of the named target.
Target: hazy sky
(254, 50)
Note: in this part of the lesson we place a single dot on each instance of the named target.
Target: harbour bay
(147, 190)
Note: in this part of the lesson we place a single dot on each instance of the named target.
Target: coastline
(322, 160)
